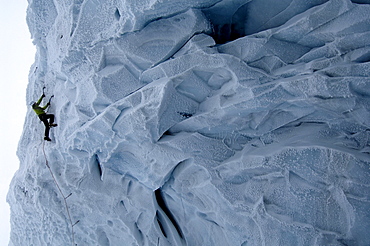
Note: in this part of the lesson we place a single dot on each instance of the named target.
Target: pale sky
(16, 57)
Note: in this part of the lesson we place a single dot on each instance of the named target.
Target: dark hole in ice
(98, 166)
(227, 27)
(185, 114)
(117, 14)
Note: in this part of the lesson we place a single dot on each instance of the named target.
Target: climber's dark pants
(44, 118)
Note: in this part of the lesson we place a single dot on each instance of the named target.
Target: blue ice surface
(198, 123)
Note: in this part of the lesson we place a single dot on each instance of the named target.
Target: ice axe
(43, 93)
(50, 99)
(49, 103)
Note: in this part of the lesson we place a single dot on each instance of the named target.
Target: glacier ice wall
(208, 122)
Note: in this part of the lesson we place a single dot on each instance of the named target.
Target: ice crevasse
(208, 122)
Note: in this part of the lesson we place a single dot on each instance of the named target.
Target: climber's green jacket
(36, 106)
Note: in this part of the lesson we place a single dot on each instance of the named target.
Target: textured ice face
(198, 123)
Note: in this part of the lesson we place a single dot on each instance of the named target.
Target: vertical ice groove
(345, 205)
(161, 201)
(167, 220)
(76, 8)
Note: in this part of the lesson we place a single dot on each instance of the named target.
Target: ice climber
(44, 117)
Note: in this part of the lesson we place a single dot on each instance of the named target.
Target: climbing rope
(62, 194)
